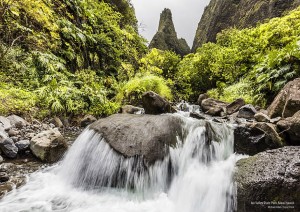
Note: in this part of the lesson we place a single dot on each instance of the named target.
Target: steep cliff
(222, 14)
(166, 36)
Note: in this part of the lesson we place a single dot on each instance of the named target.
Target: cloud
(186, 16)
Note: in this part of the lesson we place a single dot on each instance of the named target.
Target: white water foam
(195, 177)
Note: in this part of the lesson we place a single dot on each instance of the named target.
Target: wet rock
(8, 147)
(201, 98)
(4, 123)
(234, 106)
(22, 145)
(287, 102)
(275, 120)
(254, 138)
(140, 135)
(271, 176)
(3, 177)
(49, 146)
(87, 120)
(129, 109)
(155, 104)
(261, 117)
(213, 107)
(247, 112)
(290, 128)
(17, 121)
(197, 115)
(57, 122)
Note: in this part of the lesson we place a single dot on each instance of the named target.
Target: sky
(186, 16)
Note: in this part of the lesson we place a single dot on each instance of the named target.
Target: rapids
(195, 177)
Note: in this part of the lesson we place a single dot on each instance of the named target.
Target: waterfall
(195, 176)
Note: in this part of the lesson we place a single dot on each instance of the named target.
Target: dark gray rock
(261, 117)
(254, 138)
(290, 128)
(155, 104)
(87, 120)
(201, 98)
(8, 147)
(213, 107)
(197, 115)
(3, 177)
(247, 112)
(271, 176)
(287, 102)
(23, 145)
(234, 106)
(148, 136)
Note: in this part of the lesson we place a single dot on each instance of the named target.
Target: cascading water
(196, 176)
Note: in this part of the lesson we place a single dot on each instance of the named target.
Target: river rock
(291, 128)
(8, 147)
(261, 117)
(140, 135)
(271, 176)
(201, 98)
(17, 121)
(234, 106)
(247, 112)
(57, 122)
(287, 102)
(87, 120)
(49, 146)
(155, 104)
(22, 145)
(213, 107)
(129, 109)
(3, 177)
(13, 132)
(4, 123)
(254, 138)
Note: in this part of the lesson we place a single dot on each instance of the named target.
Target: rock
(22, 145)
(155, 104)
(129, 109)
(140, 135)
(87, 120)
(49, 146)
(14, 138)
(57, 122)
(30, 135)
(166, 36)
(247, 112)
(271, 176)
(8, 147)
(255, 138)
(3, 177)
(287, 102)
(197, 115)
(17, 121)
(201, 98)
(234, 106)
(1, 159)
(13, 132)
(4, 123)
(275, 120)
(261, 117)
(291, 129)
(213, 107)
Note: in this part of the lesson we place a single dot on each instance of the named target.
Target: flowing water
(195, 177)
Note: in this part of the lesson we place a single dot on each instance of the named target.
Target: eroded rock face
(213, 107)
(166, 36)
(223, 14)
(251, 139)
(155, 104)
(49, 146)
(140, 135)
(290, 128)
(287, 102)
(8, 147)
(271, 176)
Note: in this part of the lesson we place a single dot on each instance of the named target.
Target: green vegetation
(71, 57)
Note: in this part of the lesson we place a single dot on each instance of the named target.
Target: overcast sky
(186, 16)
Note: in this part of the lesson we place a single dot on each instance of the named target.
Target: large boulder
(287, 102)
(247, 112)
(155, 104)
(213, 107)
(235, 106)
(201, 98)
(269, 179)
(17, 121)
(8, 147)
(254, 138)
(291, 128)
(140, 135)
(49, 146)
